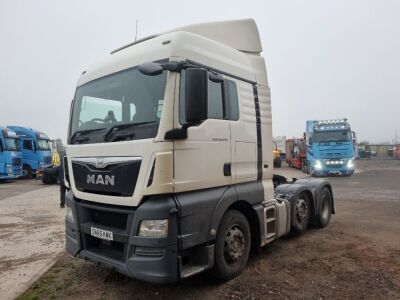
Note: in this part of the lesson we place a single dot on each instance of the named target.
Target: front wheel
(27, 172)
(300, 214)
(232, 247)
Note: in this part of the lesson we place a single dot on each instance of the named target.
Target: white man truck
(169, 159)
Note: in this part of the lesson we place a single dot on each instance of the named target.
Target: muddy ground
(356, 256)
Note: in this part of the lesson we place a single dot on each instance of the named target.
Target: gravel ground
(356, 256)
(31, 234)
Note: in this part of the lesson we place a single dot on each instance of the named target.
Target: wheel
(300, 214)
(325, 210)
(27, 172)
(232, 247)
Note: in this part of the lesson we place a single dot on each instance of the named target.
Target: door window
(27, 145)
(221, 105)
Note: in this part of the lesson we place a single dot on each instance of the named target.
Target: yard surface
(356, 256)
(31, 233)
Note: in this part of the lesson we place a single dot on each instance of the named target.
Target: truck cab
(10, 155)
(36, 152)
(330, 148)
(169, 160)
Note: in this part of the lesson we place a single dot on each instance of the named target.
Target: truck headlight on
(350, 164)
(153, 228)
(318, 165)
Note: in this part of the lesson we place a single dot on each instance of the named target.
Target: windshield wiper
(123, 126)
(74, 137)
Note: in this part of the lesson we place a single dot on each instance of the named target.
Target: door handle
(227, 169)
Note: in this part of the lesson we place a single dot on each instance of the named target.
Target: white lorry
(169, 158)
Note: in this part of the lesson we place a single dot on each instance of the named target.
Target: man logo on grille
(106, 180)
(100, 163)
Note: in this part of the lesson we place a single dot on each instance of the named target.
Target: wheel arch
(248, 200)
(253, 218)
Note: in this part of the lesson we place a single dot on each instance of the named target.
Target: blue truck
(10, 155)
(36, 150)
(330, 149)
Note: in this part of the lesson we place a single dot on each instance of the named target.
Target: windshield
(12, 144)
(332, 136)
(126, 97)
(43, 145)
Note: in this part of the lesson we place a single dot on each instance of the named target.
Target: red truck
(296, 153)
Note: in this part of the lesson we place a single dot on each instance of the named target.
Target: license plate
(101, 234)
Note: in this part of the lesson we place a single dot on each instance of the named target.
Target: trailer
(169, 164)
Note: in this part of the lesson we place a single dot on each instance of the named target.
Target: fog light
(318, 165)
(153, 228)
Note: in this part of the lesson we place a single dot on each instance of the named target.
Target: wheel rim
(325, 207)
(234, 244)
(301, 210)
(24, 172)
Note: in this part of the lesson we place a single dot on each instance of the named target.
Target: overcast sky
(325, 59)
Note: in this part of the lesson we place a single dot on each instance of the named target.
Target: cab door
(203, 160)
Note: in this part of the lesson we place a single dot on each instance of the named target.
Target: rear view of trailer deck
(169, 159)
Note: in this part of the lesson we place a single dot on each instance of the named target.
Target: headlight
(154, 228)
(318, 165)
(9, 169)
(350, 164)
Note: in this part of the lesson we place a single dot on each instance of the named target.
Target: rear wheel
(325, 210)
(300, 214)
(232, 247)
(27, 172)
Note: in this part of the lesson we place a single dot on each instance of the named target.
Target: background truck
(330, 148)
(169, 159)
(10, 155)
(296, 152)
(276, 155)
(281, 145)
(50, 174)
(36, 152)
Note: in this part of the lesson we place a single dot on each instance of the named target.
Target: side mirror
(150, 69)
(1, 146)
(34, 146)
(310, 141)
(196, 94)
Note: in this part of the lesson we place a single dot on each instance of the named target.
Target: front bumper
(14, 173)
(145, 258)
(333, 172)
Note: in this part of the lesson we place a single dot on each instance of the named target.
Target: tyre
(232, 247)
(325, 209)
(27, 172)
(300, 214)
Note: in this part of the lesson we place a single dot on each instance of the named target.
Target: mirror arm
(179, 133)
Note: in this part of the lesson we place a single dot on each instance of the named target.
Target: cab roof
(231, 46)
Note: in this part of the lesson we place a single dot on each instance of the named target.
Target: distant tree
(363, 143)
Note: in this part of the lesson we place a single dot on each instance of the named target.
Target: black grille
(114, 218)
(17, 161)
(114, 180)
